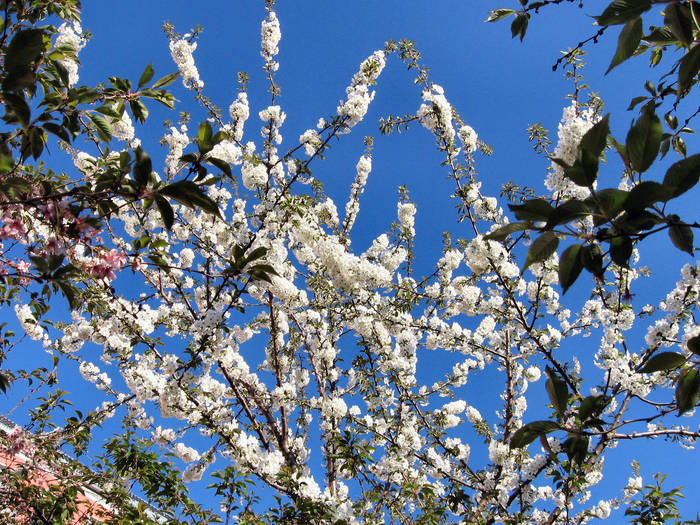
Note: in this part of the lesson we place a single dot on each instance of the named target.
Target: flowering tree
(259, 339)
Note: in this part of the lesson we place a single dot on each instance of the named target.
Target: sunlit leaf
(662, 362)
(541, 249)
(688, 391)
(643, 141)
(622, 11)
(627, 42)
(682, 237)
(683, 175)
(532, 210)
(557, 391)
(146, 76)
(570, 266)
(103, 127)
(528, 433)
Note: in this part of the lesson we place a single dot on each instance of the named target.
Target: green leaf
(139, 110)
(627, 42)
(643, 141)
(257, 253)
(636, 221)
(142, 167)
(694, 344)
(679, 146)
(37, 138)
(14, 187)
(690, 65)
(570, 266)
(645, 194)
(610, 202)
(528, 433)
(68, 291)
(18, 107)
(683, 175)
(532, 210)
(109, 111)
(585, 170)
(567, 212)
(222, 165)
(264, 268)
(166, 211)
(678, 20)
(504, 231)
(592, 405)
(519, 25)
(191, 195)
(592, 259)
(557, 391)
(635, 101)
(576, 448)
(662, 362)
(25, 49)
(498, 14)
(621, 250)
(671, 120)
(622, 11)
(594, 141)
(541, 248)
(682, 237)
(103, 127)
(19, 80)
(166, 80)
(660, 36)
(257, 275)
(146, 76)
(688, 391)
(122, 84)
(204, 135)
(4, 382)
(57, 130)
(219, 136)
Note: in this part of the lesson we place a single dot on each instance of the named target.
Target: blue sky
(499, 86)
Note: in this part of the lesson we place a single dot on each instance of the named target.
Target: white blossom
(181, 51)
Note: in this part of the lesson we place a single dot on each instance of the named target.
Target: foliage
(259, 338)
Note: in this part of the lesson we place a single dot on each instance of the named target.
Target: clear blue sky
(498, 85)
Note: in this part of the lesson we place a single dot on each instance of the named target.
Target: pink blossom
(109, 262)
(13, 229)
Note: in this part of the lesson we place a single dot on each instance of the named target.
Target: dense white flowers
(469, 138)
(92, 373)
(575, 122)
(123, 129)
(85, 163)
(406, 212)
(239, 111)
(71, 36)
(271, 36)
(185, 453)
(436, 113)
(186, 257)
(634, 485)
(358, 93)
(254, 176)
(268, 340)
(181, 51)
(177, 140)
(311, 141)
(28, 321)
(603, 509)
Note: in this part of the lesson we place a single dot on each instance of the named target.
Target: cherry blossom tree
(263, 353)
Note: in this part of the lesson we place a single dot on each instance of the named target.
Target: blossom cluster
(181, 50)
(264, 340)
